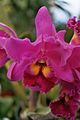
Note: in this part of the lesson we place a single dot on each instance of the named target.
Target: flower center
(40, 67)
(66, 98)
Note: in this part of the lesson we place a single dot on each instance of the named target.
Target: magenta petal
(38, 83)
(3, 38)
(30, 81)
(46, 84)
(16, 48)
(15, 71)
(43, 23)
(74, 59)
(77, 73)
(4, 34)
(9, 29)
(3, 57)
(3, 41)
(57, 51)
(61, 34)
(66, 110)
(64, 73)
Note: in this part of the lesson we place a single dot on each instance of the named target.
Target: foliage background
(14, 98)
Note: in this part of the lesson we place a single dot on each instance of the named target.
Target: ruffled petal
(4, 34)
(38, 83)
(3, 41)
(16, 71)
(3, 57)
(30, 81)
(66, 110)
(9, 29)
(46, 83)
(60, 35)
(65, 73)
(57, 51)
(16, 48)
(74, 59)
(43, 23)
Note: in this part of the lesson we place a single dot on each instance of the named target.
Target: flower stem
(33, 98)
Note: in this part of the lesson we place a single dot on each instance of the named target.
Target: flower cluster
(75, 26)
(46, 62)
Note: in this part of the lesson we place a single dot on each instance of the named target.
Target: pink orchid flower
(69, 99)
(37, 63)
(4, 36)
(75, 26)
(67, 104)
(73, 62)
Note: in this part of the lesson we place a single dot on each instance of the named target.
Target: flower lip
(66, 107)
(40, 67)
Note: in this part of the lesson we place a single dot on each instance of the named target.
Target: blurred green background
(15, 103)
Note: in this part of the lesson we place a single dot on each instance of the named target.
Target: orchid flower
(69, 98)
(37, 63)
(4, 36)
(67, 104)
(75, 26)
(73, 62)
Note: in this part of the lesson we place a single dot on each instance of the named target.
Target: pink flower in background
(71, 22)
(37, 63)
(73, 62)
(67, 103)
(4, 36)
(75, 26)
(69, 98)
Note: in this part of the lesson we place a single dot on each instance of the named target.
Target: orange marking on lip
(35, 68)
(40, 66)
(46, 71)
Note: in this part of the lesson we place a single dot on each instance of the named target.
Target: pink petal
(67, 110)
(15, 71)
(3, 57)
(74, 59)
(57, 51)
(30, 81)
(38, 83)
(3, 41)
(61, 35)
(3, 38)
(77, 73)
(43, 23)
(9, 29)
(16, 48)
(4, 34)
(65, 73)
(46, 83)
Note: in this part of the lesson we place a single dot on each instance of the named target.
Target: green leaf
(43, 110)
(69, 34)
(5, 105)
(54, 93)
